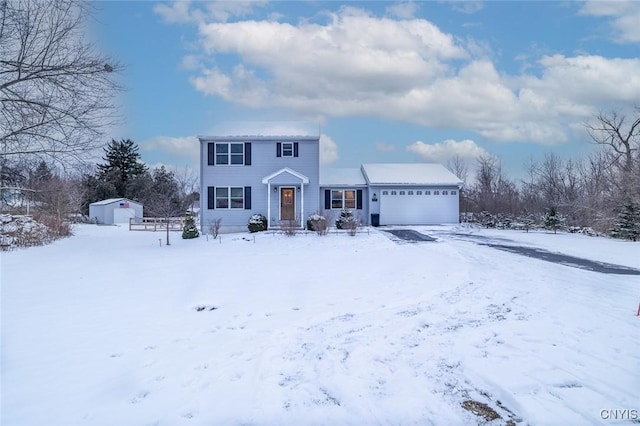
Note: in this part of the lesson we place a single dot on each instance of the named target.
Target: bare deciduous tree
(56, 91)
(622, 138)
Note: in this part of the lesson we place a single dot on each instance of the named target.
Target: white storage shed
(114, 210)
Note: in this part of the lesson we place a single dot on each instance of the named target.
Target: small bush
(290, 227)
(257, 223)
(318, 223)
(214, 227)
(348, 222)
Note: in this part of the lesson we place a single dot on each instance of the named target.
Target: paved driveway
(409, 235)
(563, 259)
(559, 258)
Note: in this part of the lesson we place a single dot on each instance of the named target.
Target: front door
(287, 204)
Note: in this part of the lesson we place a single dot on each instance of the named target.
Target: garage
(418, 206)
(412, 194)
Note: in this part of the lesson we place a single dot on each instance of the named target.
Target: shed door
(287, 204)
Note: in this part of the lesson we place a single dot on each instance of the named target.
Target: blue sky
(379, 81)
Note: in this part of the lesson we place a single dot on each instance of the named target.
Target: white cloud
(176, 12)
(406, 10)
(407, 70)
(625, 16)
(190, 62)
(185, 148)
(442, 152)
(384, 147)
(328, 150)
(467, 6)
(185, 11)
(213, 82)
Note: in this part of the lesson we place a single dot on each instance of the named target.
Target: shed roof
(112, 200)
(342, 177)
(409, 174)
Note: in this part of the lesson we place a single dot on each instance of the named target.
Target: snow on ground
(109, 328)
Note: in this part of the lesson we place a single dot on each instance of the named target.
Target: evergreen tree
(527, 220)
(190, 230)
(553, 220)
(627, 225)
(122, 165)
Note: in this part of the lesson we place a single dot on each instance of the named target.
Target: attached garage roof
(342, 177)
(409, 174)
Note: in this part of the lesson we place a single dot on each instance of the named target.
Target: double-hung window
(341, 199)
(287, 149)
(229, 197)
(229, 153)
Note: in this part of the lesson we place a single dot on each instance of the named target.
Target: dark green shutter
(247, 198)
(359, 199)
(327, 199)
(247, 153)
(211, 197)
(295, 149)
(279, 149)
(211, 155)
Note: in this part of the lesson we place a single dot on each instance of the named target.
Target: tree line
(43, 187)
(600, 191)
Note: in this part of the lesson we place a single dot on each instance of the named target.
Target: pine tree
(189, 230)
(527, 220)
(553, 220)
(627, 225)
(122, 165)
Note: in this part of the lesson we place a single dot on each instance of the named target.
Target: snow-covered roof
(342, 177)
(111, 201)
(409, 174)
(257, 138)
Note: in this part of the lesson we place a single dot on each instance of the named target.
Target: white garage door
(418, 207)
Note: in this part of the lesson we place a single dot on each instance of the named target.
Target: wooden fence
(155, 223)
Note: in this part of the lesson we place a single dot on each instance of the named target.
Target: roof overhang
(286, 170)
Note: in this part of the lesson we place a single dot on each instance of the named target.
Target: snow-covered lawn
(108, 328)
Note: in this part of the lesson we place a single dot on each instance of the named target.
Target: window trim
(229, 198)
(229, 154)
(288, 149)
(343, 199)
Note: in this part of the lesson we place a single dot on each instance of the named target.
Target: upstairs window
(287, 149)
(229, 153)
(445, 193)
(453, 192)
(436, 192)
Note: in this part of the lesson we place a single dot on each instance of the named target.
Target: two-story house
(274, 176)
(280, 178)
